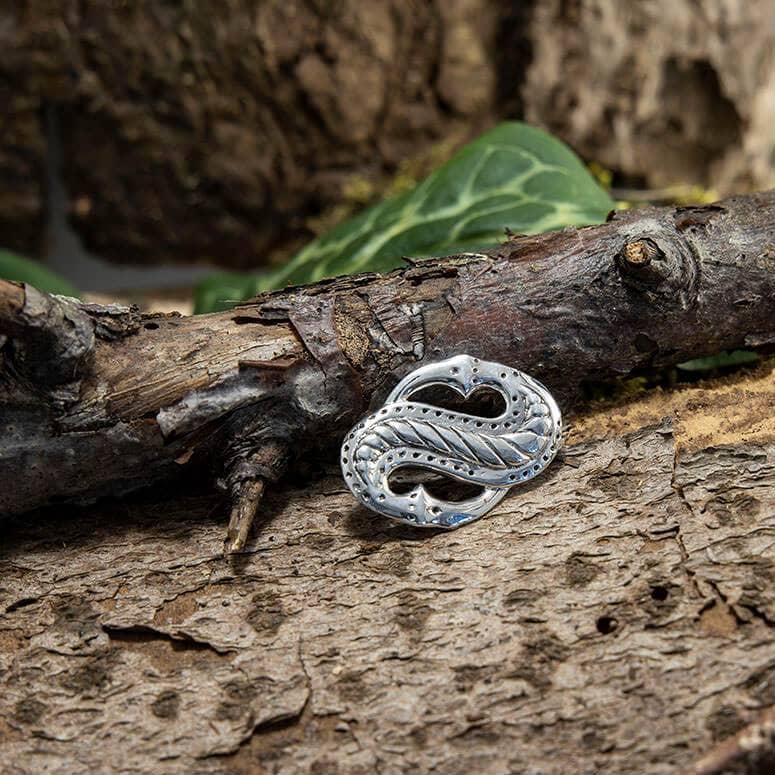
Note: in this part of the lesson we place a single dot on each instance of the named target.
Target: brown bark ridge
(615, 616)
(100, 400)
(215, 130)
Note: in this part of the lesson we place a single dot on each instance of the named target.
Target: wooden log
(101, 400)
(615, 616)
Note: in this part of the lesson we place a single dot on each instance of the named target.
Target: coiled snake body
(495, 452)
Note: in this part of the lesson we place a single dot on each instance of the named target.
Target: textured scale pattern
(495, 452)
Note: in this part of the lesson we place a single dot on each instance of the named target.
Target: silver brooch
(494, 452)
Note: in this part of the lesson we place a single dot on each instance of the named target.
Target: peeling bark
(238, 394)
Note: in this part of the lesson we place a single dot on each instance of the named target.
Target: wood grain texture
(614, 616)
(235, 395)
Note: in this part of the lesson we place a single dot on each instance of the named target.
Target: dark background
(208, 134)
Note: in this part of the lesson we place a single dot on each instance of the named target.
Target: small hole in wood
(606, 625)
(659, 593)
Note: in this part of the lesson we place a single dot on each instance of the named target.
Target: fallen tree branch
(102, 400)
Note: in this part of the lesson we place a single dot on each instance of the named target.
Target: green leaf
(514, 176)
(720, 361)
(25, 270)
(223, 290)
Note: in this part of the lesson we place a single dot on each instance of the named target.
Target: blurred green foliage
(513, 177)
(25, 270)
(723, 360)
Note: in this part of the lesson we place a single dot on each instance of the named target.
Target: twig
(243, 512)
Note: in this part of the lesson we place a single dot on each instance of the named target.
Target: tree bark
(218, 132)
(615, 616)
(101, 400)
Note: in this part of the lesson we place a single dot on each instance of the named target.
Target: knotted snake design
(495, 452)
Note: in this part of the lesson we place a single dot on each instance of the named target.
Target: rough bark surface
(111, 400)
(215, 130)
(615, 616)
